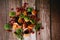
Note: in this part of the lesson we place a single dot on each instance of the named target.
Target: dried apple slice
(16, 26)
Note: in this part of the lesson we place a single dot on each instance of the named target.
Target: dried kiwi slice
(7, 26)
(29, 9)
(12, 14)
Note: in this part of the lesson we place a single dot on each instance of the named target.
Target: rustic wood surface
(41, 5)
(45, 19)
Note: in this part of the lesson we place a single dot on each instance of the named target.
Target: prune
(28, 23)
(16, 19)
(29, 13)
(26, 31)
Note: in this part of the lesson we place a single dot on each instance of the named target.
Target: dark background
(55, 19)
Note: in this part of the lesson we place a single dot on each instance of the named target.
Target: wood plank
(3, 35)
(45, 19)
(5, 6)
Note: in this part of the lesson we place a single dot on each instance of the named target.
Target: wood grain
(44, 14)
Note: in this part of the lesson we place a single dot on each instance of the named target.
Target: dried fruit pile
(23, 21)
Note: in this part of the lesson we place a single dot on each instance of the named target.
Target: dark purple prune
(26, 31)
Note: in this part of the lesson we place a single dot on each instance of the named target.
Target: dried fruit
(17, 9)
(29, 9)
(26, 31)
(32, 21)
(26, 18)
(25, 13)
(7, 26)
(30, 26)
(24, 25)
(18, 13)
(37, 26)
(20, 20)
(12, 14)
(34, 12)
(19, 31)
(16, 26)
